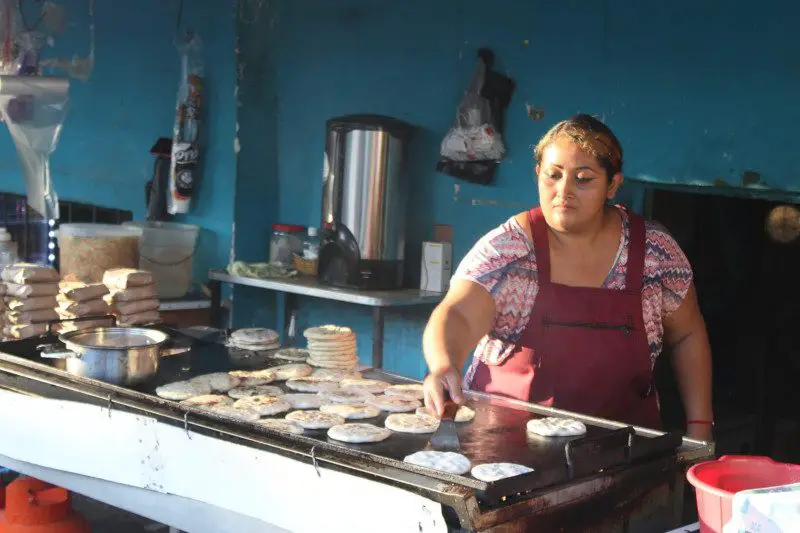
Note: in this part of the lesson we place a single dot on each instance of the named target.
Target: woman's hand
(436, 383)
(456, 325)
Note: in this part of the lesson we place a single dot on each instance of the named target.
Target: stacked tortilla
(132, 295)
(30, 300)
(331, 347)
(84, 301)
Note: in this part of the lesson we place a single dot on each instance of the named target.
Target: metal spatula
(446, 437)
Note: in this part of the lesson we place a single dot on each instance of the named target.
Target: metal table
(306, 286)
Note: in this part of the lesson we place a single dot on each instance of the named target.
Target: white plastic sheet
(769, 510)
(34, 109)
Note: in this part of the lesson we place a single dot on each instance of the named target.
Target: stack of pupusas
(254, 339)
(132, 296)
(81, 300)
(30, 299)
(332, 346)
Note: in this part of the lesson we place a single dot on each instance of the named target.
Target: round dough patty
(336, 366)
(345, 396)
(291, 371)
(281, 425)
(237, 414)
(411, 391)
(303, 400)
(494, 471)
(314, 419)
(406, 423)
(394, 404)
(328, 332)
(556, 427)
(183, 390)
(358, 433)
(450, 462)
(252, 378)
(367, 385)
(255, 336)
(264, 405)
(351, 411)
(218, 381)
(335, 374)
(291, 354)
(208, 400)
(464, 413)
(259, 390)
(311, 384)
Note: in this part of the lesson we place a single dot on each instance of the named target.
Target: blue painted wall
(129, 100)
(697, 95)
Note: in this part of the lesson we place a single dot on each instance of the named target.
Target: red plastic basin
(717, 481)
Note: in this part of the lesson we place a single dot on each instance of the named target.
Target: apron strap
(636, 248)
(636, 251)
(541, 244)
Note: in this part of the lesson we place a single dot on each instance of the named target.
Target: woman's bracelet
(700, 423)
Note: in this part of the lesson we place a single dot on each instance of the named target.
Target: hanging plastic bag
(185, 147)
(474, 145)
(35, 129)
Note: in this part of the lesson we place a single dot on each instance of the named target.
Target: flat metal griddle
(497, 433)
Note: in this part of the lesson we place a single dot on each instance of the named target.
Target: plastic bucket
(86, 251)
(716, 482)
(167, 250)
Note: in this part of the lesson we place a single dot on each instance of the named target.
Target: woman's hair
(592, 136)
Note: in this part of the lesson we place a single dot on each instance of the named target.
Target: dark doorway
(749, 290)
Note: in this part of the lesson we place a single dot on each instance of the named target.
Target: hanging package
(185, 146)
(474, 146)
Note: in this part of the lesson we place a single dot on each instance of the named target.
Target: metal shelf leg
(216, 303)
(377, 337)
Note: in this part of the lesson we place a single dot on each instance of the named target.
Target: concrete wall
(697, 94)
(129, 101)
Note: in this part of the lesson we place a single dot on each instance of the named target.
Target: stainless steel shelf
(292, 287)
(311, 287)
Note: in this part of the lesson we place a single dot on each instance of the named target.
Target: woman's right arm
(456, 325)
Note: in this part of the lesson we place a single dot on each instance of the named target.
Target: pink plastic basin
(717, 481)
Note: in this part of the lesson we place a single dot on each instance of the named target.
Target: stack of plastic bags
(30, 299)
(132, 296)
(78, 300)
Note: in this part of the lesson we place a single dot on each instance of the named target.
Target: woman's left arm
(685, 334)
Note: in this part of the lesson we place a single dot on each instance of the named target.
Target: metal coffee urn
(364, 202)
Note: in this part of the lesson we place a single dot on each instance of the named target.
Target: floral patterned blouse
(504, 263)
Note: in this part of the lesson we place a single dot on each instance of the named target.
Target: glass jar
(287, 240)
(311, 245)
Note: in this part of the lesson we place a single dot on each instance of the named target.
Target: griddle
(497, 433)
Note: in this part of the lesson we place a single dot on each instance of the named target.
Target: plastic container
(286, 241)
(311, 245)
(8, 249)
(167, 250)
(716, 482)
(86, 251)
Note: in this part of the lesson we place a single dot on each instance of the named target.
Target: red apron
(585, 349)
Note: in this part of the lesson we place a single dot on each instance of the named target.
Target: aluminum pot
(116, 355)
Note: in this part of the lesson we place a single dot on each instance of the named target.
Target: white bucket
(166, 250)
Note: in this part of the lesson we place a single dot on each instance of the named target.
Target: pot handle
(54, 351)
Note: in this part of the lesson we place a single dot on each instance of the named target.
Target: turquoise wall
(129, 101)
(698, 94)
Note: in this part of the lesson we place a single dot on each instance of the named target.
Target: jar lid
(288, 228)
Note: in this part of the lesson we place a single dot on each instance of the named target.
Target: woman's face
(573, 187)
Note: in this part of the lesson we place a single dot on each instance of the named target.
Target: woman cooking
(570, 304)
